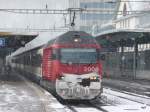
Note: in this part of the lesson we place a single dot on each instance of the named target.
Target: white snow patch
(8, 110)
(57, 105)
(40, 40)
(129, 98)
(87, 110)
(127, 108)
(147, 92)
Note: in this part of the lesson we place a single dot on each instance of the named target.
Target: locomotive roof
(62, 39)
(69, 36)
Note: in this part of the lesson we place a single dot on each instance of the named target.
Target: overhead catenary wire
(67, 11)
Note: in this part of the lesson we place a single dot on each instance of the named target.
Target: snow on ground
(24, 96)
(134, 97)
(114, 101)
(18, 97)
(127, 108)
(12, 99)
(87, 110)
(121, 102)
(115, 108)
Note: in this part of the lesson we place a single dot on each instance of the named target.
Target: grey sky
(14, 20)
(11, 20)
(33, 3)
(139, 4)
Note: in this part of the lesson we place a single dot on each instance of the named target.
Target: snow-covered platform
(20, 95)
(17, 94)
(141, 87)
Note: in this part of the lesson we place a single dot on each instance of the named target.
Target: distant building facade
(90, 21)
(135, 21)
(135, 15)
(130, 15)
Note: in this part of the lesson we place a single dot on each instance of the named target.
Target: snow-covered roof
(40, 40)
(6, 33)
(122, 30)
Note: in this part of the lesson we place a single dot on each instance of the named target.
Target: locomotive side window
(36, 59)
(55, 54)
(78, 55)
(102, 56)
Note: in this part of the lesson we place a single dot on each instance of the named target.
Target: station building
(127, 44)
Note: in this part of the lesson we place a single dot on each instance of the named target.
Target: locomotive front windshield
(78, 55)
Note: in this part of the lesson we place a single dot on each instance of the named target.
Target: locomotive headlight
(76, 40)
(62, 77)
(93, 77)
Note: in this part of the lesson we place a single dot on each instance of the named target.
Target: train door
(47, 64)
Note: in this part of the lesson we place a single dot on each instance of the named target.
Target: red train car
(70, 63)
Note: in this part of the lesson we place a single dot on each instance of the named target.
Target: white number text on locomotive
(91, 69)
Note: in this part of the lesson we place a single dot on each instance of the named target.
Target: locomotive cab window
(55, 54)
(78, 55)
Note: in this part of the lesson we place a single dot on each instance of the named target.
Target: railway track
(127, 96)
(113, 101)
(129, 93)
(88, 107)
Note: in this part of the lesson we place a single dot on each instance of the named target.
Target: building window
(148, 45)
(86, 28)
(129, 23)
(90, 16)
(102, 5)
(124, 9)
(121, 24)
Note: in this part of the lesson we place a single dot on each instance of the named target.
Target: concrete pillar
(122, 57)
(135, 58)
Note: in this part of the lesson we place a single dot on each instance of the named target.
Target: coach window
(21, 59)
(34, 60)
(27, 59)
(37, 60)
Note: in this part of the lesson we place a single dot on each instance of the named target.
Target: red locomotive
(70, 64)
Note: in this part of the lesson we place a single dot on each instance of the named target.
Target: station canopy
(15, 39)
(124, 36)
